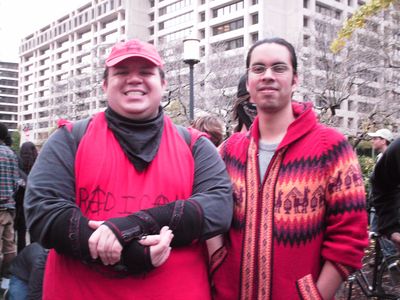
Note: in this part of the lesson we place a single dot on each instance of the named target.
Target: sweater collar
(304, 122)
(139, 140)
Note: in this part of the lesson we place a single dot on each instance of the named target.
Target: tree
(354, 87)
(216, 78)
(358, 20)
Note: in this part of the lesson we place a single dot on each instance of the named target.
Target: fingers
(104, 244)
(395, 237)
(159, 253)
(150, 240)
(95, 224)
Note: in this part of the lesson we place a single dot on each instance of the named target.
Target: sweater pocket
(307, 288)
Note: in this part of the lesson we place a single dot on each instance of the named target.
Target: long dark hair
(279, 41)
(28, 154)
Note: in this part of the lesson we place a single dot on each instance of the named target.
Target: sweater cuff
(343, 270)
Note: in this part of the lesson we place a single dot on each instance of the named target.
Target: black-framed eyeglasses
(276, 69)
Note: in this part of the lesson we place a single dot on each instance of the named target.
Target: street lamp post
(191, 56)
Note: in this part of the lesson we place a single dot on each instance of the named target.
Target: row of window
(233, 25)
(5, 99)
(351, 3)
(174, 7)
(7, 91)
(9, 74)
(8, 82)
(181, 34)
(8, 108)
(8, 65)
(70, 24)
(176, 21)
(228, 9)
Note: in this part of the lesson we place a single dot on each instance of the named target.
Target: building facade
(9, 95)
(61, 64)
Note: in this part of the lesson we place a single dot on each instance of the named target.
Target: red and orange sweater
(309, 209)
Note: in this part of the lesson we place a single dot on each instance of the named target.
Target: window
(202, 51)
(350, 122)
(232, 44)
(254, 19)
(328, 11)
(202, 33)
(306, 40)
(228, 27)
(306, 3)
(254, 37)
(350, 105)
(174, 7)
(202, 16)
(305, 21)
(227, 9)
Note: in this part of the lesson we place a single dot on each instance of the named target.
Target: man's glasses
(276, 69)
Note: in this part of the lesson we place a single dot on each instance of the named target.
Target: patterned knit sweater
(310, 208)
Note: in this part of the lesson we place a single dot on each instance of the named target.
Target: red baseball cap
(133, 48)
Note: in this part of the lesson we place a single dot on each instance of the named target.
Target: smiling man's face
(134, 88)
(272, 89)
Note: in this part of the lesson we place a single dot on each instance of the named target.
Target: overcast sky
(18, 18)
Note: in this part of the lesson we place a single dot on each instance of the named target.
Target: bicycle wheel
(387, 285)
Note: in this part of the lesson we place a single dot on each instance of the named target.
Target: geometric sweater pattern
(310, 208)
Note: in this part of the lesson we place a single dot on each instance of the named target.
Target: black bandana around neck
(139, 140)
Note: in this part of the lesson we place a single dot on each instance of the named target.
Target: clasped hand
(103, 244)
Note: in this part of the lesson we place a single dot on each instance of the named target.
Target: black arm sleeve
(386, 189)
(53, 218)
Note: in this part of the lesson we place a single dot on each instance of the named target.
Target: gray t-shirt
(265, 153)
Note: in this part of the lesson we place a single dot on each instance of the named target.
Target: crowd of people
(127, 204)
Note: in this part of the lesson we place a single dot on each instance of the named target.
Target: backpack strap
(77, 129)
(190, 135)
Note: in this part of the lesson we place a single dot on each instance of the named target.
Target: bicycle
(378, 284)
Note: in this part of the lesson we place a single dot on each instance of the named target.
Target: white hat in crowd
(382, 133)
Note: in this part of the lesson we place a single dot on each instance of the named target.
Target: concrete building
(61, 64)
(9, 94)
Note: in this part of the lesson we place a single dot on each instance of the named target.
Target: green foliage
(367, 164)
(357, 20)
(16, 138)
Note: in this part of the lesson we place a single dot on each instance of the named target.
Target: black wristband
(133, 226)
(136, 258)
(70, 233)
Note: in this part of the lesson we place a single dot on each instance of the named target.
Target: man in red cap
(126, 208)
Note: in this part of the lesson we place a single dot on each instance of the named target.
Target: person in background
(9, 178)
(27, 156)
(212, 126)
(380, 140)
(126, 208)
(27, 270)
(300, 224)
(386, 192)
(244, 111)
